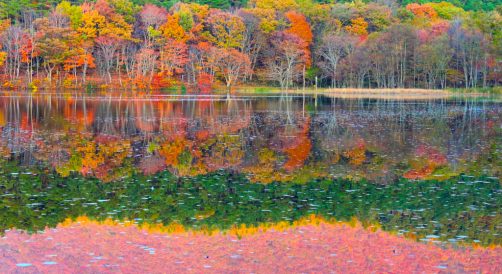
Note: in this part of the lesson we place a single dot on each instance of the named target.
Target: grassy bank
(490, 90)
(354, 93)
(265, 89)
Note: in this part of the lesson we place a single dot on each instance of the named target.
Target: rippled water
(430, 168)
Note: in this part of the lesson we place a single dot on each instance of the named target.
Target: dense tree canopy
(14, 7)
(157, 44)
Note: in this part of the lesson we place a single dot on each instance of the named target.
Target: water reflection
(286, 138)
(218, 163)
(466, 209)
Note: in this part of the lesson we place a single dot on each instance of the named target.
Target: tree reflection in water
(285, 138)
(216, 163)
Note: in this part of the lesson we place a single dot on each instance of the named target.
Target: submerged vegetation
(461, 209)
(197, 46)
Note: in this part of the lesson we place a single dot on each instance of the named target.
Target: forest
(205, 45)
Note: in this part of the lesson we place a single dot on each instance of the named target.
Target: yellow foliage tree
(358, 26)
(3, 57)
(173, 30)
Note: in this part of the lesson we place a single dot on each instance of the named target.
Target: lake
(426, 171)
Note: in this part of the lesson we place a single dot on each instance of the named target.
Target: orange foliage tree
(174, 57)
(422, 10)
(301, 28)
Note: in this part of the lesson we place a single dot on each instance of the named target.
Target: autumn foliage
(427, 161)
(120, 44)
(422, 10)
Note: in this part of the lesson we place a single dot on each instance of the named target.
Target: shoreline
(407, 91)
(239, 93)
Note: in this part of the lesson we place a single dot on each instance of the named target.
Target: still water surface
(426, 168)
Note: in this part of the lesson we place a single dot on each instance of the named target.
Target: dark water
(428, 167)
